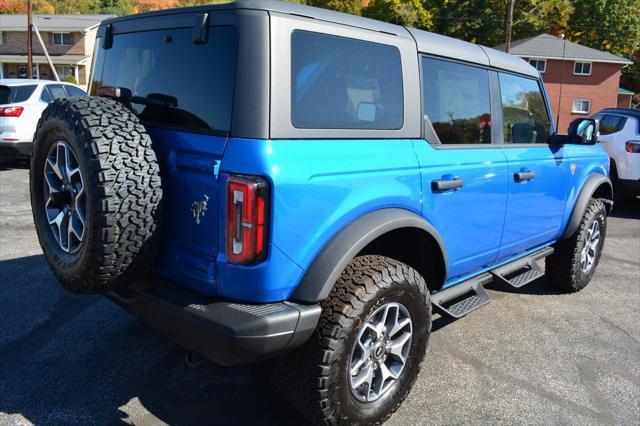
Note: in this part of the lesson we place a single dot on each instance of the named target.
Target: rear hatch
(182, 91)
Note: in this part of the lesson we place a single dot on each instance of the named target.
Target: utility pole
(509, 25)
(29, 40)
(564, 46)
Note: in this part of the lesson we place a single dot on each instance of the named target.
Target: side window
(611, 124)
(74, 91)
(456, 100)
(56, 91)
(343, 83)
(524, 112)
(45, 96)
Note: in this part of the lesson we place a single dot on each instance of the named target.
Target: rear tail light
(632, 146)
(12, 111)
(246, 224)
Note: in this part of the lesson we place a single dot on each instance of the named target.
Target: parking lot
(533, 356)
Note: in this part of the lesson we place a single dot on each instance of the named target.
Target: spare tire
(95, 193)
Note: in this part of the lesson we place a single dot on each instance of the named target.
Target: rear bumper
(628, 186)
(15, 149)
(226, 332)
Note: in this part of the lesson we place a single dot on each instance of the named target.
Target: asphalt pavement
(532, 356)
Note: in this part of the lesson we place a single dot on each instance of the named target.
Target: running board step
(461, 299)
(522, 272)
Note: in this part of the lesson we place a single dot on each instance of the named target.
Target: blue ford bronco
(261, 179)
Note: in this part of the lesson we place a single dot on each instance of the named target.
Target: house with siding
(579, 80)
(69, 39)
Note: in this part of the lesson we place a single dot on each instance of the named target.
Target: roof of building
(427, 42)
(623, 91)
(41, 59)
(52, 22)
(547, 46)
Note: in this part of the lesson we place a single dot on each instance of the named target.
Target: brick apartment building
(69, 39)
(586, 81)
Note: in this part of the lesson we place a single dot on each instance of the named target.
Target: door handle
(445, 185)
(524, 176)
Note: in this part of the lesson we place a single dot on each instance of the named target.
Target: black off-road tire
(317, 375)
(563, 267)
(123, 193)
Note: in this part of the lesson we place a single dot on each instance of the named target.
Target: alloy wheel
(590, 249)
(64, 197)
(380, 352)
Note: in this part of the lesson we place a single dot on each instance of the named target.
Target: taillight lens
(246, 225)
(632, 146)
(12, 111)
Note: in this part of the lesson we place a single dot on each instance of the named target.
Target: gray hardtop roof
(429, 43)
(452, 48)
(282, 7)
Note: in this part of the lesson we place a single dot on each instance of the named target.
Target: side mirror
(584, 131)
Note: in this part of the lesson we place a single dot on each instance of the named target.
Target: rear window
(174, 82)
(14, 94)
(343, 83)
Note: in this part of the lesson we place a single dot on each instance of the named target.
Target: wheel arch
(596, 185)
(392, 232)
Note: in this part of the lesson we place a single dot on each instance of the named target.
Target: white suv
(21, 104)
(620, 137)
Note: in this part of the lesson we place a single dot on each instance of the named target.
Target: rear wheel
(368, 348)
(575, 260)
(95, 193)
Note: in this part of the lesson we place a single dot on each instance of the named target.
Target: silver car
(21, 104)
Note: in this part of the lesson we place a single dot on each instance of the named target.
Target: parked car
(316, 186)
(620, 137)
(21, 104)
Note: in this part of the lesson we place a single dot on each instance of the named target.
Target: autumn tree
(20, 6)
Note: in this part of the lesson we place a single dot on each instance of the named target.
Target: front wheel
(368, 348)
(574, 262)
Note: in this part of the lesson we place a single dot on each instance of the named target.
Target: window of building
(582, 68)
(524, 112)
(456, 102)
(539, 64)
(343, 83)
(1, 39)
(62, 39)
(64, 71)
(581, 106)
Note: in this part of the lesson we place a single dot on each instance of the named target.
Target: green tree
(402, 12)
(113, 7)
(613, 26)
(73, 7)
(353, 7)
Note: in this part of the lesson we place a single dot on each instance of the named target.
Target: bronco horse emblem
(199, 208)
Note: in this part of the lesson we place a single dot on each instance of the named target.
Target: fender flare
(318, 280)
(590, 186)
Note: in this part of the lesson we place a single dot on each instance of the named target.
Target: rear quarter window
(344, 83)
(174, 82)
